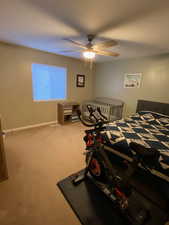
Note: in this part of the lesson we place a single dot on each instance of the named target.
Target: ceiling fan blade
(75, 43)
(67, 51)
(106, 53)
(105, 44)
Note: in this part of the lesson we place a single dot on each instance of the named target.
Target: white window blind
(49, 82)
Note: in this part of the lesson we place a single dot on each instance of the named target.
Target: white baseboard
(30, 126)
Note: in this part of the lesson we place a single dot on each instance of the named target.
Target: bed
(149, 126)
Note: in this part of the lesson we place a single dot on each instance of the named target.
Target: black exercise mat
(89, 203)
(92, 207)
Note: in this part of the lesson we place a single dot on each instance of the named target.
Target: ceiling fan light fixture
(89, 54)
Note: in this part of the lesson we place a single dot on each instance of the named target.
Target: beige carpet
(37, 159)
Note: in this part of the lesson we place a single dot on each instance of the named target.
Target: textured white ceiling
(140, 26)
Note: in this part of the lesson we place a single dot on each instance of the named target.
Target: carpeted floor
(37, 159)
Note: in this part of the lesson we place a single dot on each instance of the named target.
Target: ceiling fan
(90, 50)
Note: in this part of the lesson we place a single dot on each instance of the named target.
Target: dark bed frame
(144, 105)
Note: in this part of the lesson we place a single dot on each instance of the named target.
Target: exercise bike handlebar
(99, 121)
(104, 117)
(82, 121)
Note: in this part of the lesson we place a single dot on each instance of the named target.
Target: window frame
(51, 100)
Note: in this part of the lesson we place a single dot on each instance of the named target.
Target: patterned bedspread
(146, 128)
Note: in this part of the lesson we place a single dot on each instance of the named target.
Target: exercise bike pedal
(78, 179)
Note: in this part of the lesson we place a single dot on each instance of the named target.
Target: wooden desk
(67, 112)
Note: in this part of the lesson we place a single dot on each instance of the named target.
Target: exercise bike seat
(148, 156)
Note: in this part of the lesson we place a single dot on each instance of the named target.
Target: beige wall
(109, 80)
(16, 105)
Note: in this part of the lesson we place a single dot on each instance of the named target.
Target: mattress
(147, 128)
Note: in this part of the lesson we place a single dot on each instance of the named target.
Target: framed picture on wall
(80, 80)
(132, 80)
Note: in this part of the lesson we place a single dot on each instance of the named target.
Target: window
(49, 82)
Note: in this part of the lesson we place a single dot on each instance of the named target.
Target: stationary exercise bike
(100, 170)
